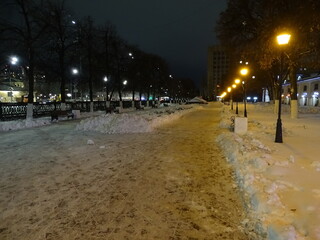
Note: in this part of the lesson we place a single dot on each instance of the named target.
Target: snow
(278, 181)
(128, 122)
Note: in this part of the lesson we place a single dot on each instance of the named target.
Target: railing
(12, 111)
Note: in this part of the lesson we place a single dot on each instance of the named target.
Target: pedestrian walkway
(173, 183)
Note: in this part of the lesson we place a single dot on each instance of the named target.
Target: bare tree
(62, 36)
(26, 35)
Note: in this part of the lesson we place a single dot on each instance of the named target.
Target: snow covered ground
(279, 181)
(129, 121)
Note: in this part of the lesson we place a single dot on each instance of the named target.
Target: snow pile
(21, 124)
(115, 123)
(279, 192)
(143, 121)
(198, 100)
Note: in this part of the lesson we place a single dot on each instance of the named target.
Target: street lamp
(13, 61)
(229, 91)
(283, 40)
(74, 91)
(237, 81)
(223, 95)
(244, 72)
(105, 79)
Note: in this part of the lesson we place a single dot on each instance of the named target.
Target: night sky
(177, 30)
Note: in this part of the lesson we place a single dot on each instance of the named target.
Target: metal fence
(12, 111)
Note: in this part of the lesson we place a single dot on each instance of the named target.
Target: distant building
(308, 91)
(218, 66)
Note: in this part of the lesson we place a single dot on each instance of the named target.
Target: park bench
(112, 109)
(139, 107)
(61, 113)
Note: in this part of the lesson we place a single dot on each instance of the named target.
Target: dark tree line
(50, 41)
(248, 29)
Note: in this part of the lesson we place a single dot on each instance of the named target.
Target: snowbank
(129, 121)
(133, 122)
(21, 124)
(280, 193)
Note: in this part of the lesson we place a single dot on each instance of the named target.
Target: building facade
(308, 92)
(218, 66)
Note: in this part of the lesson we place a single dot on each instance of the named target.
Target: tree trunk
(62, 75)
(30, 74)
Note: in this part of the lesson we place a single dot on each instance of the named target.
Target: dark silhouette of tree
(248, 28)
(25, 34)
(62, 35)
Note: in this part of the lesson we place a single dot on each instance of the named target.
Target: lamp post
(125, 82)
(13, 61)
(105, 79)
(237, 81)
(233, 86)
(283, 40)
(229, 91)
(244, 73)
(74, 91)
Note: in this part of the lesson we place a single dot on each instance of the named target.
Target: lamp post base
(237, 112)
(279, 132)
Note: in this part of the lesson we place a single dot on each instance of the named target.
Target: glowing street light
(75, 71)
(14, 60)
(105, 79)
(74, 90)
(283, 40)
(125, 82)
(244, 72)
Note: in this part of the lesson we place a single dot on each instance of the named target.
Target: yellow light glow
(234, 85)
(229, 89)
(283, 39)
(244, 71)
(237, 81)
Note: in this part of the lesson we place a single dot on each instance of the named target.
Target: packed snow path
(173, 183)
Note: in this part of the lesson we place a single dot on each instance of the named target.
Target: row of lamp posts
(282, 40)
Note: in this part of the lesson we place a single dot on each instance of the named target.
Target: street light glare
(14, 60)
(229, 89)
(125, 82)
(237, 81)
(105, 79)
(244, 71)
(234, 85)
(75, 71)
(283, 39)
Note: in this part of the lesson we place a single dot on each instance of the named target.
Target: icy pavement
(57, 182)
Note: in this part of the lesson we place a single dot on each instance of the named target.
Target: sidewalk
(280, 180)
(170, 183)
